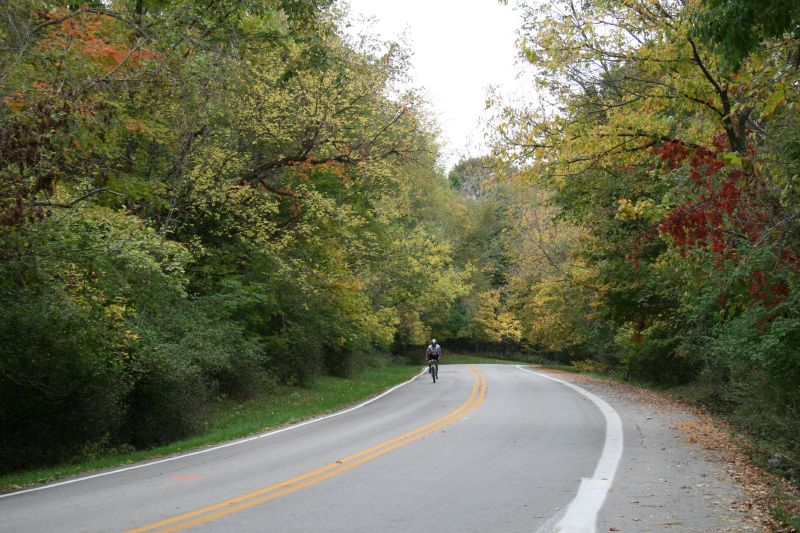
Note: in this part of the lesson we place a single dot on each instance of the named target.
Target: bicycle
(433, 369)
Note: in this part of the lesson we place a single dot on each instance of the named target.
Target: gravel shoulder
(679, 469)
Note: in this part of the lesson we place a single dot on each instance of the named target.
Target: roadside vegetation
(277, 406)
(204, 205)
(478, 359)
(652, 186)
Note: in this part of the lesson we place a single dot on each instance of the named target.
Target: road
(487, 448)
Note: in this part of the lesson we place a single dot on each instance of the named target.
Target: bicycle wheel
(434, 372)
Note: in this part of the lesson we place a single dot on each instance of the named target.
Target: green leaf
(731, 158)
(777, 98)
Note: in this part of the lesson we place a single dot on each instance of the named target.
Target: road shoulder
(678, 470)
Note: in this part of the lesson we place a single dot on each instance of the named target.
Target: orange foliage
(14, 101)
(97, 38)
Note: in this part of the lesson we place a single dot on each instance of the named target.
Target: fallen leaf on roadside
(762, 489)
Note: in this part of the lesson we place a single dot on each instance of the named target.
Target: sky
(459, 49)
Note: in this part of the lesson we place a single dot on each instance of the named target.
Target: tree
(473, 176)
(492, 324)
(201, 200)
(665, 136)
(737, 28)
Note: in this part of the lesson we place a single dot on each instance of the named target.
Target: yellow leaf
(777, 98)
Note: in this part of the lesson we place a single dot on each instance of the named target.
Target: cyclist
(433, 353)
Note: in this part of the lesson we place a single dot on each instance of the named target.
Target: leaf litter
(763, 491)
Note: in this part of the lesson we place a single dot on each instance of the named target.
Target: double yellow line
(257, 497)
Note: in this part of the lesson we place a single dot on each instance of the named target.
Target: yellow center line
(276, 490)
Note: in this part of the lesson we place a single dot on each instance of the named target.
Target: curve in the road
(581, 514)
(208, 449)
(294, 484)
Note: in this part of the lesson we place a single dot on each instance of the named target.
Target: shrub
(656, 355)
(589, 366)
(61, 381)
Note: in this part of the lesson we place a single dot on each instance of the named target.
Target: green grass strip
(463, 359)
(232, 420)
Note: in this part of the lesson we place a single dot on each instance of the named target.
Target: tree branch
(71, 204)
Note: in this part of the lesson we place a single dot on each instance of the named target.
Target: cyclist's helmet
(433, 341)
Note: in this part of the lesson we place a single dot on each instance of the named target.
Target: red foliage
(763, 289)
(97, 38)
(730, 207)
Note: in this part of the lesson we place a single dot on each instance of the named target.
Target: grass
(463, 359)
(477, 358)
(233, 420)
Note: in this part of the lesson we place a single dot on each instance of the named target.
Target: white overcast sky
(460, 48)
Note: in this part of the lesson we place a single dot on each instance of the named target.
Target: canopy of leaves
(739, 27)
(201, 200)
(661, 232)
(198, 201)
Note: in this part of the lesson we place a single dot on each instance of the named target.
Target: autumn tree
(200, 201)
(665, 136)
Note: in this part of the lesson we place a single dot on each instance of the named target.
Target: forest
(203, 199)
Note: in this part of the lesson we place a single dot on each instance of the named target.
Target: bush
(168, 399)
(292, 356)
(229, 362)
(589, 366)
(62, 383)
(185, 359)
(755, 362)
(655, 355)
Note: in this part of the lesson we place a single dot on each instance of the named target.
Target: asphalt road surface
(487, 448)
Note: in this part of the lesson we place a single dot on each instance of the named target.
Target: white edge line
(213, 448)
(581, 514)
